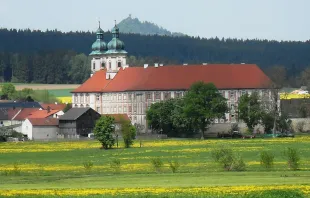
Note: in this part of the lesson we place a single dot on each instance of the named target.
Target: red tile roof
(44, 121)
(224, 76)
(94, 84)
(12, 112)
(118, 117)
(42, 113)
(54, 106)
(24, 113)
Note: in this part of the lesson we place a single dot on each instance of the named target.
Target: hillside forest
(52, 56)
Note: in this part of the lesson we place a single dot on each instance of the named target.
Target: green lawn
(61, 92)
(60, 165)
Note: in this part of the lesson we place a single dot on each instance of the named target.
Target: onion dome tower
(99, 47)
(115, 55)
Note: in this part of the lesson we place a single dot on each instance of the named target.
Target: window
(243, 92)
(124, 96)
(98, 109)
(110, 65)
(75, 98)
(114, 109)
(98, 97)
(103, 65)
(119, 96)
(157, 95)
(82, 105)
(167, 95)
(87, 98)
(94, 65)
(149, 96)
(134, 108)
(119, 109)
(82, 98)
(149, 105)
(87, 105)
(125, 110)
(129, 96)
(232, 94)
(135, 118)
(114, 96)
(119, 64)
(177, 95)
(129, 109)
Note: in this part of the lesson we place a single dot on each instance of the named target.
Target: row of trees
(9, 92)
(203, 103)
(54, 67)
(55, 57)
(190, 115)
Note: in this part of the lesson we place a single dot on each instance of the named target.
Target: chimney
(185, 64)
(204, 63)
(156, 64)
(145, 66)
(161, 65)
(48, 109)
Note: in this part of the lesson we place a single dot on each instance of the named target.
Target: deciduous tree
(128, 132)
(103, 131)
(203, 103)
(250, 110)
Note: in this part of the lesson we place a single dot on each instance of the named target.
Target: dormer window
(110, 65)
(119, 64)
(94, 66)
(103, 65)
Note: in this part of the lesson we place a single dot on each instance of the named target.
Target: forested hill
(52, 48)
(134, 25)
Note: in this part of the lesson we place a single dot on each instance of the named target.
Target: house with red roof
(116, 88)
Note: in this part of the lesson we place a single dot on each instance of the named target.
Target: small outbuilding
(40, 128)
(78, 122)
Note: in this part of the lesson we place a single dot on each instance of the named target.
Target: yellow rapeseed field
(219, 190)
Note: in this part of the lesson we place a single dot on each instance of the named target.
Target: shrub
(157, 164)
(128, 132)
(266, 159)
(88, 165)
(239, 164)
(226, 158)
(293, 158)
(116, 165)
(174, 166)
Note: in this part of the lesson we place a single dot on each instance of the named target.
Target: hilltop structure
(116, 88)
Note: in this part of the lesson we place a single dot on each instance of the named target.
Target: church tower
(115, 56)
(99, 48)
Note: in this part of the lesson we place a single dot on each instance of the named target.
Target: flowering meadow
(81, 169)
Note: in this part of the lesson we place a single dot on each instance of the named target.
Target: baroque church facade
(117, 88)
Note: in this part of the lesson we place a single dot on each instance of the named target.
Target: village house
(40, 128)
(116, 88)
(78, 122)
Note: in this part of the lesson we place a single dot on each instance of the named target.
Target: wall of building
(136, 103)
(26, 128)
(44, 132)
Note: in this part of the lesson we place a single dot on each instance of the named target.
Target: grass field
(81, 169)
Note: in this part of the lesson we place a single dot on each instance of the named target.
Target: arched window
(119, 64)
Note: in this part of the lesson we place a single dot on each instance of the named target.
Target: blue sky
(263, 19)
